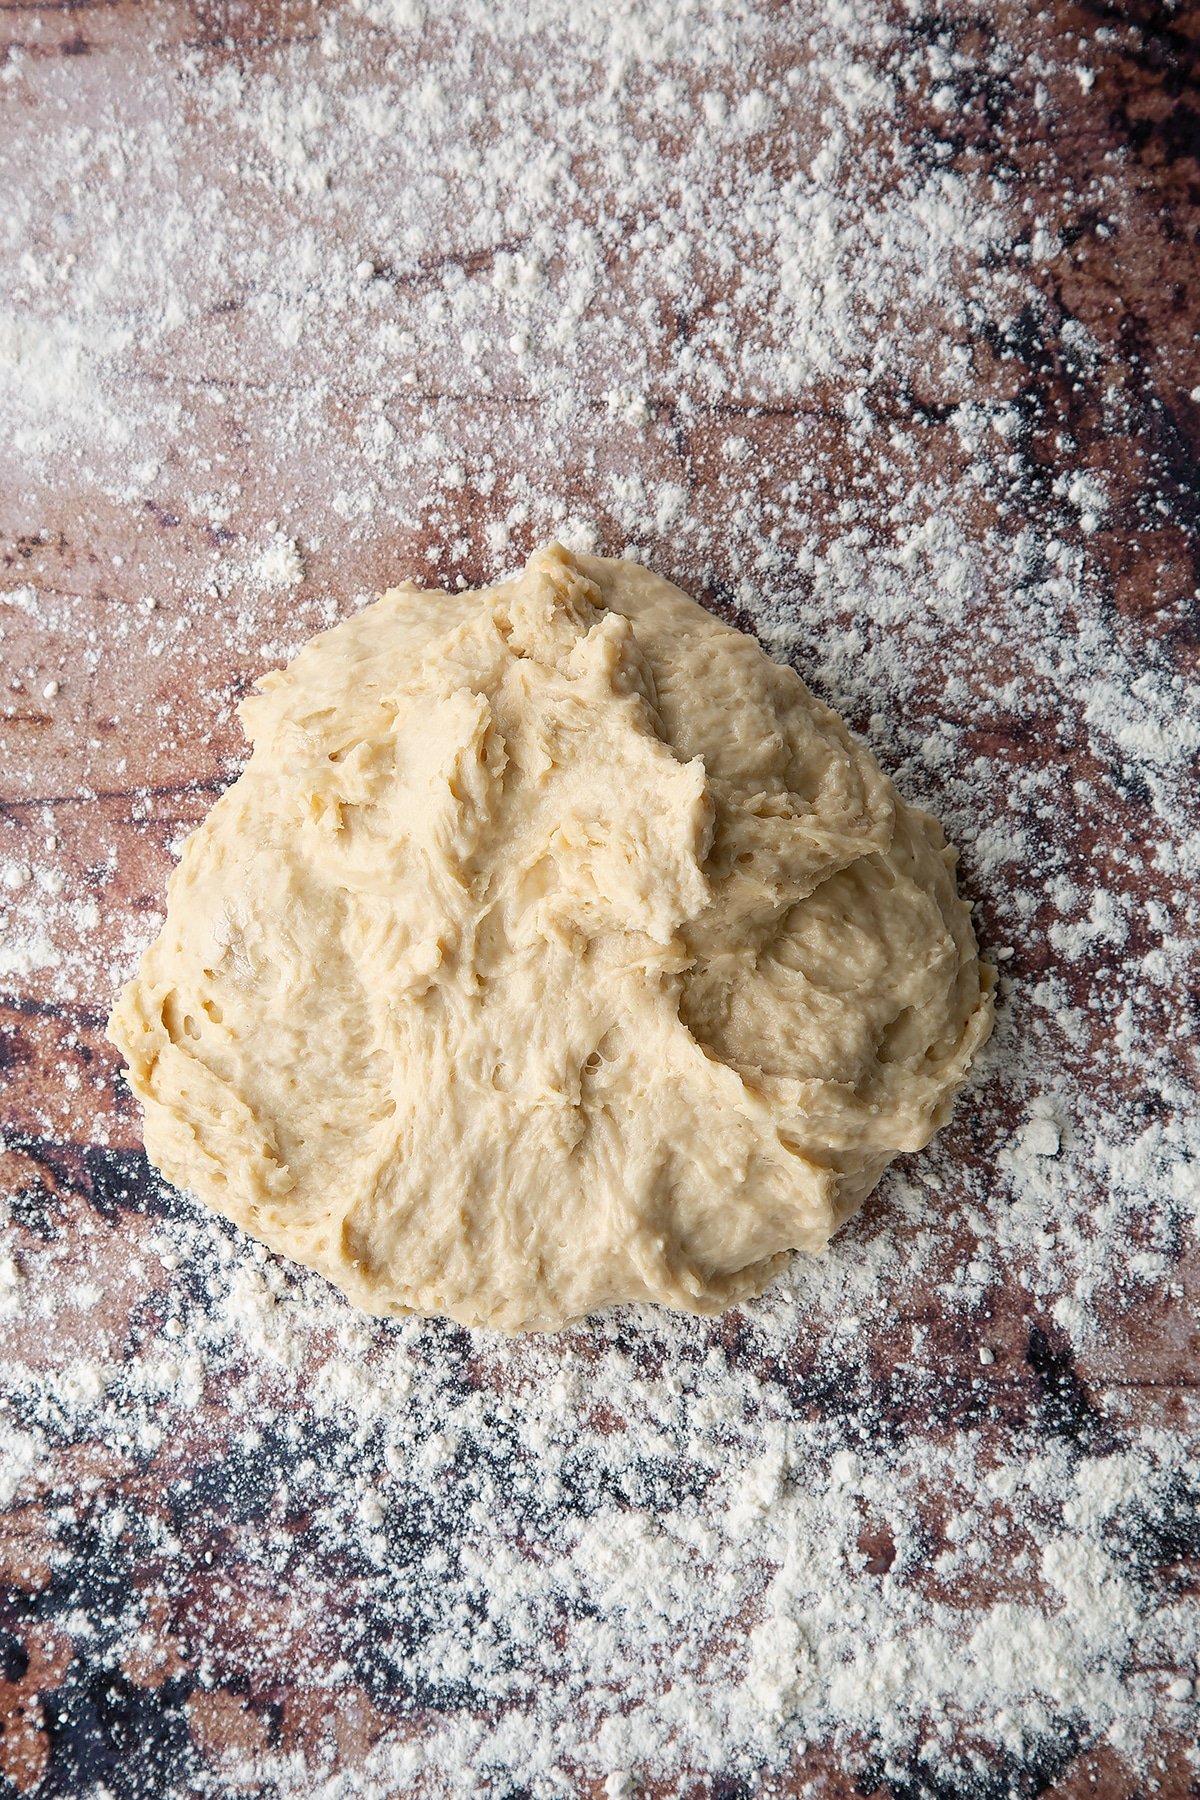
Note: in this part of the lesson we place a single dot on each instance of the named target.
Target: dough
(555, 948)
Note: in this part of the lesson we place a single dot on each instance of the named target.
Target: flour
(729, 290)
(280, 564)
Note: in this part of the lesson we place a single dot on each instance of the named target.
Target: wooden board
(194, 1435)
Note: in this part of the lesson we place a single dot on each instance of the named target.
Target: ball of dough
(555, 948)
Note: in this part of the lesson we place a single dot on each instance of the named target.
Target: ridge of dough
(555, 948)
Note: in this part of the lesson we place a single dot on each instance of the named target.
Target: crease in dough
(555, 949)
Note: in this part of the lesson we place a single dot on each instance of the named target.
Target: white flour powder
(729, 288)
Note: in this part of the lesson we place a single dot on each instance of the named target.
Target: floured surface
(913, 399)
(556, 950)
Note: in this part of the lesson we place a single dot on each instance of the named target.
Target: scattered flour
(724, 288)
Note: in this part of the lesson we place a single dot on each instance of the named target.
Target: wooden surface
(139, 1656)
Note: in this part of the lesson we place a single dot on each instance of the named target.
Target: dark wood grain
(145, 735)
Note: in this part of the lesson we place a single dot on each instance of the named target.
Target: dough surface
(555, 949)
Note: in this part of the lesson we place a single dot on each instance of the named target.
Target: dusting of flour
(751, 294)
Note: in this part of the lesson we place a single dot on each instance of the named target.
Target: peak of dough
(556, 948)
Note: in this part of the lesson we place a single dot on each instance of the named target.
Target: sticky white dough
(556, 948)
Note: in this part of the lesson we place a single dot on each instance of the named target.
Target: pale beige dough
(556, 948)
